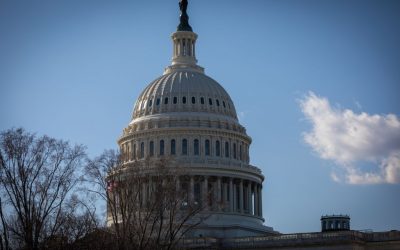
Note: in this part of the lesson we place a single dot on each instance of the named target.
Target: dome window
(158, 101)
(184, 147)
(184, 100)
(151, 148)
(196, 147)
(193, 100)
(207, 147)
(173, 148)
(223, 104)
(227, 149)
(240, 152)
(142, 150)
(202, 100)
(217, 101)
(162, 147)
(175, 100)
(150, 103)
(166, 100)
(217, 148)
(234, 150)
(210, 101)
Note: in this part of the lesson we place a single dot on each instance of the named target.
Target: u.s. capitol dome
(187, 116)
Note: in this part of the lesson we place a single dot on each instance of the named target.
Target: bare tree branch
(145, 207)
(37, 175)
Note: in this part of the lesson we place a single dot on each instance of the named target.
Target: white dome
(188, 119)
(184, 91)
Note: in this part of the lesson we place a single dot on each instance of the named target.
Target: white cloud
(351, 140)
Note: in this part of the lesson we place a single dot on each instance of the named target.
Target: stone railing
(258, 242)
(230, 164)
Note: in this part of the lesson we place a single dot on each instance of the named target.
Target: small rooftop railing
(291, 239)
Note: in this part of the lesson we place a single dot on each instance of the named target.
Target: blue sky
(314, 83)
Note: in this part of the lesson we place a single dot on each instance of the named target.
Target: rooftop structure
(335, 223)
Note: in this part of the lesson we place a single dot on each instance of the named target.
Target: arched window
(210, 101)
(184, 147)
(223, 104)
(234, 150)
(158, 101)
(207, 147)
(184, 100)
(240, 152)
(151, 148)
(142, 150)
(217, 148)
(227, 149)
(166, 100)
(134, 151)
(193, 100)
(173, 147)
(217, 101)
(202, 100)
(196, 147)
(162, 147)
(175, 100)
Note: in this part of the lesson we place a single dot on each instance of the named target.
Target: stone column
(178, 184)
(255, 200)
(150, 190)
(144, 198)
(180, 50)
(128, 153)
(241, 196)
(191, 190)
(225, 194)
(249, 200)
(176, 48)
(213, 194)
(184, 47)
(205, 193)
(123, 152)
(260, 200)
(194, 49)
(231, 203)
(189, 46)
(131, 156)
(219, 199)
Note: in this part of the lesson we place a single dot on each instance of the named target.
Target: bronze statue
(184, 18)
(183, 6)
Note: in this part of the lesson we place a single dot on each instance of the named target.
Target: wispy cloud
(353, 139)
(358, 105)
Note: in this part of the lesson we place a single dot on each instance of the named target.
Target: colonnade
(210, 193)
(208, 146)
(224, 194)
(184, 47)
